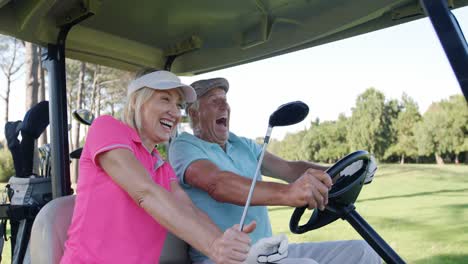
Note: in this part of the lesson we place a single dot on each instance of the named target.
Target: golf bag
(27, 196)
(27, 192)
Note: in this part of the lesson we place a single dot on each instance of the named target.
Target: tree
(273, 146)
(388, 134)
(424, 138)
(41, 92)
(73, 72)
(78, 104)
(403, 127)
(289, 148)
(32, 87)
(32, 83)
(112, 86)
(366, 125)
(326, 141)
(433, 133)
(94, 87)
(11, 56)
(457, 110)
(310, 145)
(76, 127)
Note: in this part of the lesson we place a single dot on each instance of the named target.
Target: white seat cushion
(175, 251)
(49, 233)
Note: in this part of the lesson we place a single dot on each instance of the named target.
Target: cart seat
(49, 233)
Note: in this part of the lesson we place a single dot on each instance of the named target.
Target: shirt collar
(231, 139)
(154, 153)
(134, 135)
(137, 139)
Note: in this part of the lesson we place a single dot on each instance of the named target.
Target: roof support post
(54, 60)
(451, 37)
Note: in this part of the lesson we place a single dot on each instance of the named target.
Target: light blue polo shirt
(241, 158)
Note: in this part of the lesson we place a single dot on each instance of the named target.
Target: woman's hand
(233, 246)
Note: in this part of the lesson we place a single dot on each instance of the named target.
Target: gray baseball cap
(201, 87)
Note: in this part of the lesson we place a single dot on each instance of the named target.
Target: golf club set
(29, 192)
(26, 191)
(341, 197)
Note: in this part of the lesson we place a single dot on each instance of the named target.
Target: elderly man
(216, 168)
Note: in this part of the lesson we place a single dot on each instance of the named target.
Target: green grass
(420, 210)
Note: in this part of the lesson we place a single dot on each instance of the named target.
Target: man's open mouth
(221, 121)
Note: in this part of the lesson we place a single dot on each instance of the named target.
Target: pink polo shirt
(107, 225)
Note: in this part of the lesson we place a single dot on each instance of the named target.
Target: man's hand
(233, 246)
(310, 189)
(268, 250)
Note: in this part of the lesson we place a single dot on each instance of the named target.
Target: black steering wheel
(344, 193)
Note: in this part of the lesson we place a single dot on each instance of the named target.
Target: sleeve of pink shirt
(107, 133)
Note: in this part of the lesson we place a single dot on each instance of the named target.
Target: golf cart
(190, 37)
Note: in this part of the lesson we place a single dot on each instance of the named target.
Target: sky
(406, 58)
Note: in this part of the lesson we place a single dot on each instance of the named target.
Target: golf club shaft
(254, 180)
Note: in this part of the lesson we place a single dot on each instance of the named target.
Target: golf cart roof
(197, 36)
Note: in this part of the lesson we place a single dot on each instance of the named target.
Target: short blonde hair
(131, 114)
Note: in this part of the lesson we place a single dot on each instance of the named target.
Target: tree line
(97, 88)
(392, 130)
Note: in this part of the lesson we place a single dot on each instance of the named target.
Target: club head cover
(36, 120)
(12, 130)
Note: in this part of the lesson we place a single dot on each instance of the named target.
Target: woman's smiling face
(160, 116)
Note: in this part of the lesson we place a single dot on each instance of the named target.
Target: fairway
(420, 210)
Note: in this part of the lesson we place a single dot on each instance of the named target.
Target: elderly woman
(128, 197)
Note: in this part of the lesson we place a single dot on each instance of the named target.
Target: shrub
(6, 165)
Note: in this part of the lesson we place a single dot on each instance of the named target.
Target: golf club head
(76, 154)
(289, 114)
(83, 116)
(36, 120)
(42, 152)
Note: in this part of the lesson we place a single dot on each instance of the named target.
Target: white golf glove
(268, 250)
(357, 165)
(371, 169)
